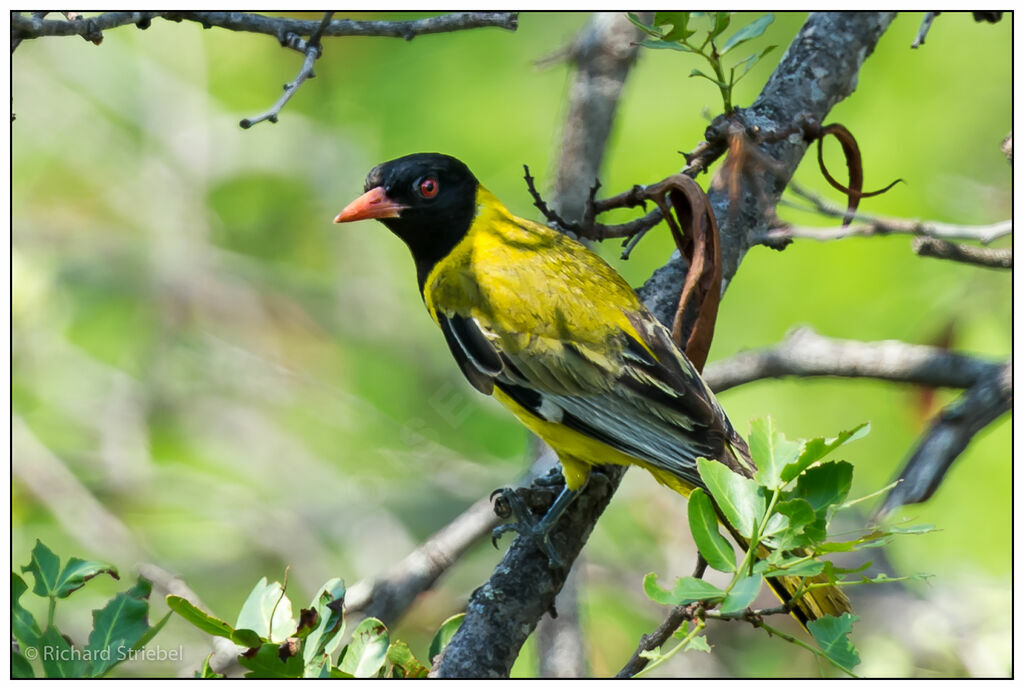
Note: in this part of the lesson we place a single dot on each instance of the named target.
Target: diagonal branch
(953, 428)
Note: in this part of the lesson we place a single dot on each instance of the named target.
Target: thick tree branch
(23, 27)
(502, 613)
(818, 70)
(826, 54)
(804, 353)
(950, 432)
(965, 253)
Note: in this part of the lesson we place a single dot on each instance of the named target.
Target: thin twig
(873, 225)
(926, 24)
(313, 51)
(23, 27)
(978, 256)
(388, 596)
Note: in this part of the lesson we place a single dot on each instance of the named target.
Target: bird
(548, 328)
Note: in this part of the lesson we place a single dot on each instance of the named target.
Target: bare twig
(387, 597)
(603, 54)
(805, 353)
(655, 639)
(926, 24)
(23, 26)
(313, 51)
(872, 225)
(978, 256)
(953, 428)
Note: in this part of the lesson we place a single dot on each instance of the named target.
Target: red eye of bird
(428, 187)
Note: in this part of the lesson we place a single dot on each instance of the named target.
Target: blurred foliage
(209, 375)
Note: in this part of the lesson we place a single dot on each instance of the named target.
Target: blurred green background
(210, 376)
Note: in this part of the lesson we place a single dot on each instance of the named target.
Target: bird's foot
(510, 503)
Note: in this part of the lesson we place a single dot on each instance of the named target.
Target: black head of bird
(427, 199)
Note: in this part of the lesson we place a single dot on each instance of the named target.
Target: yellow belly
(578, 452)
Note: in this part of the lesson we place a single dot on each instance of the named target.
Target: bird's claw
(507, 502)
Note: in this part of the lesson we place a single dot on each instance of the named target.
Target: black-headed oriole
(558, 337)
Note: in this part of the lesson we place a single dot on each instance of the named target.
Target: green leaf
(802, 568)
(50, 581)
(77, 572)
(330, 626)
(678, 22)
(211, 625)
(750, 61)
(266, 600)
(771, 452)
(742, 594)
(663, 45)
(61, 660)
(719, 23)
(23, 624)
(686, 591)
(649, 30)
(698, 644)
(751, 30)
(825, 485)
(404, 664)
(20, 668)
(444, 635)
(831, 635)
(266, 662)
(704, 527)
(698, 73)
(116, 628)
(45, 567)
(869, 541)
(793, 524)
(736, 496)
(206, 671)
(817, 448)
(366, 653)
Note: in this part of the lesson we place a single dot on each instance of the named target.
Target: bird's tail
(818, 602)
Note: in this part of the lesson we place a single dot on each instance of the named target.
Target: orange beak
(374, 204)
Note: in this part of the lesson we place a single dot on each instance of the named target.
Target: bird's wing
(635, 392)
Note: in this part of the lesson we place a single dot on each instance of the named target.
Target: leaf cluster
(784, 513)
(119, 628)
(682, 36)
(279, 646)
